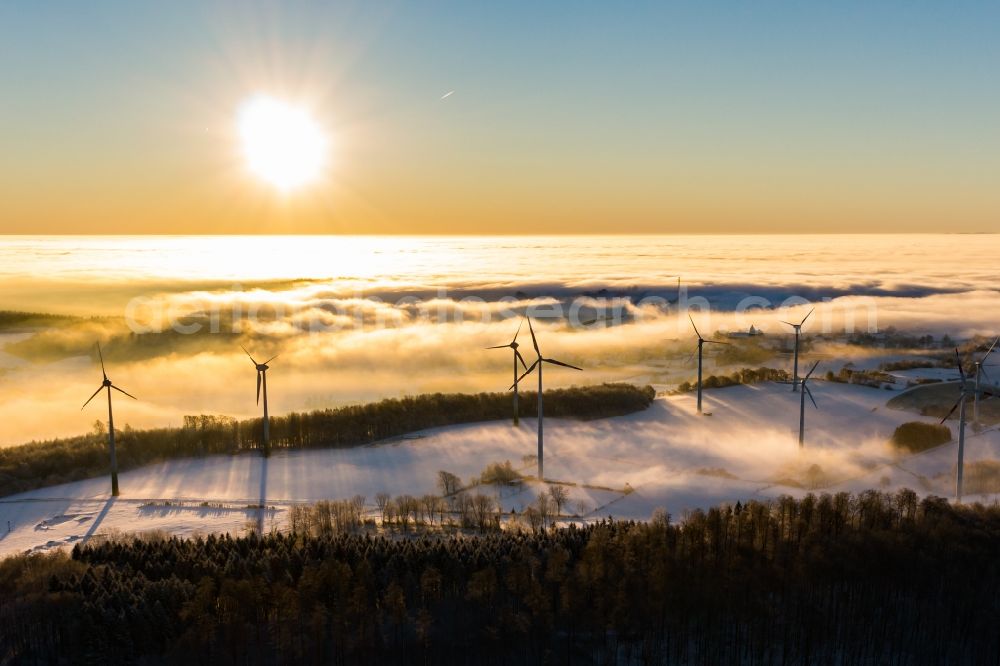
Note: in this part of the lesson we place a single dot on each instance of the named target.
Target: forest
(848, 579)
(40, 464)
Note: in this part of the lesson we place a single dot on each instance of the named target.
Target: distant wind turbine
(517, 357)
(262, 380)
(106, 384)
(701, 344)
(798, 331)
(539, 362)
(980, 373)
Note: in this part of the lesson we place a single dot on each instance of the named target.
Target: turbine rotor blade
(719, 342)
(807, 316)
(125, 392)
(948, 415)
(961, 371)
(92, 397)
(811, 370)
(565, 365)
(101, 356)
(499, 347)
(990, 350)
(789, 323)
(518, 331)
(271, 359)
(258, 386)
(524, 374)
(248, 354)
(694, 327)
(810, 394)
(521, 359)
(534, 342)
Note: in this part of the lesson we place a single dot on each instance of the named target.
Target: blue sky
(589, 116)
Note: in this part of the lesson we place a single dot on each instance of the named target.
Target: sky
(763, 117)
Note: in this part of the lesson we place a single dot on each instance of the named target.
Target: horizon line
(496, 235)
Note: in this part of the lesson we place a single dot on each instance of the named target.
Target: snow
(666, 456)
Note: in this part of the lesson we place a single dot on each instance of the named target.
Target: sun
(281, 143)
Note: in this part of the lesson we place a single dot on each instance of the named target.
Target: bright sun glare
(282, 144)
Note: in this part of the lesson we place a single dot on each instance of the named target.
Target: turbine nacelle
(514, 345)
(261, 369)
(702, 340)
(963, 392)
(798, 326)
(105, 382)
(540, 359)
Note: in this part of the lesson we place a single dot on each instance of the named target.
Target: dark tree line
(866, 579)
(741, 376)
(40, 464)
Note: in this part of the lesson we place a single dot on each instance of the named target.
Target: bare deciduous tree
(482, 510)
(448, 483)
(533, 518)
(429, 503)
(559, 496)
(381, 500)
(543, 505)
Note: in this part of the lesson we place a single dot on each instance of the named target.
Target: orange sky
(122, 119)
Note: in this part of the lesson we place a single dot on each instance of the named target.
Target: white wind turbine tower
(539, 362)
(798, 331)
(517, 357)
(980, 373)
(701, 344)
(106, 384)
(262, 380)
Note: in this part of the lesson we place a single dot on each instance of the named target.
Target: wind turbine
(262, 379)
(981, 372)
(517, 357)
(106, 384)
(802, 404)
(960, 406)
(701, 344)
(798, 330)
(539, 362)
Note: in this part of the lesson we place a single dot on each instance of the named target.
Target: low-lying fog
(355, 320)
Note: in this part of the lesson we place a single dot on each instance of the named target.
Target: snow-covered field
(666, 456)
